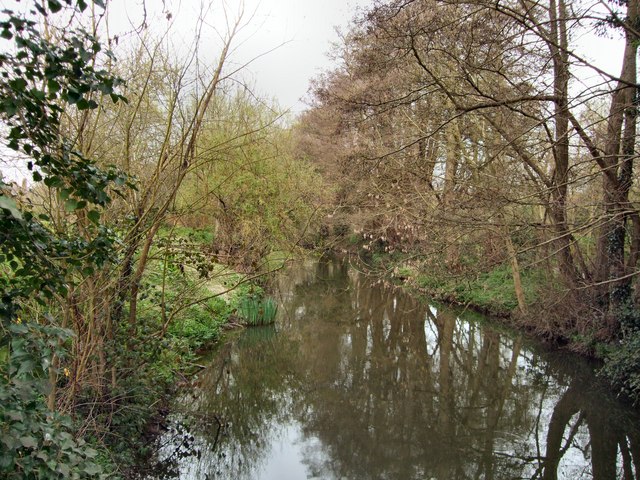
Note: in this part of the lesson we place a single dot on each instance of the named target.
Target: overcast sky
(300, 31)
(305, 30)
(308, 27)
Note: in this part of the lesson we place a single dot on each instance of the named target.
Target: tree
(41, 79)
(474, 100)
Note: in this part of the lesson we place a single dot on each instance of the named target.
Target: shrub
(622, 366)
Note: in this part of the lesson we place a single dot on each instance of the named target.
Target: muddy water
(358, 380)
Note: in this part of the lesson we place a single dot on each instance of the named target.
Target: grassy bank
(187, 300)
(492, 292)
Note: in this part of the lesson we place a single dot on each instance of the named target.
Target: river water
(359, 380)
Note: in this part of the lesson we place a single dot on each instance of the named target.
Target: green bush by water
(622, 366)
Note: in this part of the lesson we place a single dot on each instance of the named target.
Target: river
(360, 380)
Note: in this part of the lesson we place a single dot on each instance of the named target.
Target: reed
(257, 311)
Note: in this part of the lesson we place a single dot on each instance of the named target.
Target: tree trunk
(515, 272)
(610, 266)
(558, 210)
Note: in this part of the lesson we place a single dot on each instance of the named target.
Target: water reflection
(361, 381)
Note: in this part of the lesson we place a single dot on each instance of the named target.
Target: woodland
(469, 149)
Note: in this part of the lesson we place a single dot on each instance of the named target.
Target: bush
(200, 324)
(622, 366)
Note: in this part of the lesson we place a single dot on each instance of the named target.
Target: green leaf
(54, 6)
(26, 366)
(82, 104)
(87, 271)
(9, 204)
(9, 107)
(18, 84)
(54, 87)
(39, 94)
(64, 470)
(6, 460)
(16, 415)
(64, 193)
(94, 216)
(73, 96)
(71, 205)
(29, 442)
(92, 469)
(90, 453)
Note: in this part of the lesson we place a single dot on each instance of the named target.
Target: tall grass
(257, 311)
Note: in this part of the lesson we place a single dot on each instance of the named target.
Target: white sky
(303, 30)
(300, 31)
(308, 27)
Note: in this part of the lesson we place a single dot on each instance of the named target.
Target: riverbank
(547, 316)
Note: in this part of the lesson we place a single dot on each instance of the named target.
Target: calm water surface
(358, 380)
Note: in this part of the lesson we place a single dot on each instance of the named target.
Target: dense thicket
(477, 133)
(103, 294)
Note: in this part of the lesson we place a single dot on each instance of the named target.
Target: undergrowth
(186, 298)
(492, 291)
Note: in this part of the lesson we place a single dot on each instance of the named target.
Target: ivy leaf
(90, 453)
(29, 442)
(18, 84)
(54, 6)
(92, 469)
(71, 205)
(53, 86)
(94, 216)
(9, 204)
(64, 193)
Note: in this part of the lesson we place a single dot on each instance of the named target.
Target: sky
(288, 39)
(308, 28)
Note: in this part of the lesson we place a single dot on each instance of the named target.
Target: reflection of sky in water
(287, 455)
(353, 389)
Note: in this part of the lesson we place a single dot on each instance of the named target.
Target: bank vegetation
(478, 144)
(151, 190)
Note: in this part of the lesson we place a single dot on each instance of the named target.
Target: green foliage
(622, 366)
(37, 443)
(492, 291)
(202, 236)
(40, 79)
(257, 311)
(200, 324)
(261, 197)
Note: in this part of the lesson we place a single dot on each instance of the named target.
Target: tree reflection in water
(361, 381)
